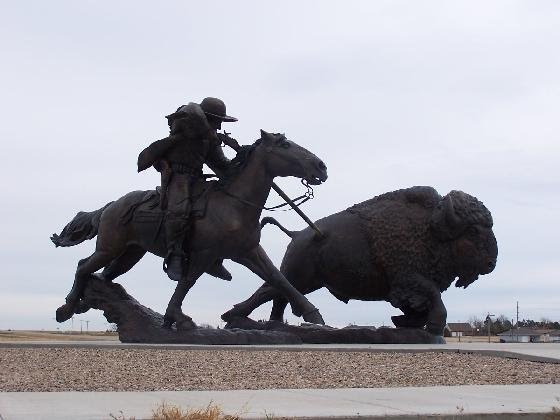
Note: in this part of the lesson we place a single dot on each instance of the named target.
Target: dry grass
(555, 414)
(26, 336)
(171, 412)
(210, 412)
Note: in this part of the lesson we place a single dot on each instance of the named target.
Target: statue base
(139, 324)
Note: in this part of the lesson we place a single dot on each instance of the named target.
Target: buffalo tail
(273, 221)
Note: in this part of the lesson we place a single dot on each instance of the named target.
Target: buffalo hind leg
(86, 267)
(279, 302)
(258, 262)
(262, 295)
(302, 276)
(410, 319)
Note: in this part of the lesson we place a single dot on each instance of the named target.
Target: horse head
(283, 157)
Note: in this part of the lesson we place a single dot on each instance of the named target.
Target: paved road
(545, 352)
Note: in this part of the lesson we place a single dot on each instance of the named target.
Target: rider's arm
(155, 151)
(216, 160)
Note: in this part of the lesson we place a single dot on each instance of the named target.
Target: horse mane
(239, 162)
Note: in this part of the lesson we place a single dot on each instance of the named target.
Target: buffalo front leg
(420, 300)
(258, 262)
(437, 317)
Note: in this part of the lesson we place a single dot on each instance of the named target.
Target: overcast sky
(390, 94)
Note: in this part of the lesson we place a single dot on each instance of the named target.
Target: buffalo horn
(452, 219)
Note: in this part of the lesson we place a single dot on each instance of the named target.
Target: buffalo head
(466, 225)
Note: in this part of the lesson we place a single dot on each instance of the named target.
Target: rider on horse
(193, 141)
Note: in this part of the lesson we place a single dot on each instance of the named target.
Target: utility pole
(81, 326)
(517, 324)
(511, 330)
(87, 327)
(489, 322)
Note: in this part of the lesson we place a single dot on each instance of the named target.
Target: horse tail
(82, 227)
(273, 221)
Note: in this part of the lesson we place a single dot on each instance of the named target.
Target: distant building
(529, 335)
(459, 329)
(554, 336)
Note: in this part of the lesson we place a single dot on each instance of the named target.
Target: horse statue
(228, 229)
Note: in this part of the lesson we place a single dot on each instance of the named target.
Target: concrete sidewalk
(469, 401)
(538, 352)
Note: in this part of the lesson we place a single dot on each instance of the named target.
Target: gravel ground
(175, 370)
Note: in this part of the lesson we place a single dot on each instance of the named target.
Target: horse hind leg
(123, 263)
(86, 267)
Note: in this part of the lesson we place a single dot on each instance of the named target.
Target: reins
(298, 201)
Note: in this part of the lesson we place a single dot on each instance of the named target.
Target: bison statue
(404, 247)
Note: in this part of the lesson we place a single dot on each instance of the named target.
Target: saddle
(146, 209)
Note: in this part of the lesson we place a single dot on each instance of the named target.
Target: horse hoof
(229, 315)
(399, 321)
(313, 317)
(234, 313)
(82, 308)
(64, 313)
(182, 322)
(186, 325)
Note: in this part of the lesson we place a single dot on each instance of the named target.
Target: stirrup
(173, 265)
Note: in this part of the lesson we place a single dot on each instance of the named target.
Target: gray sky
(390, 94)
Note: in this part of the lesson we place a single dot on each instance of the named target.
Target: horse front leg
(196, 267)
(258, 262)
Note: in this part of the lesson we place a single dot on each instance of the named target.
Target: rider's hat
(216, 108)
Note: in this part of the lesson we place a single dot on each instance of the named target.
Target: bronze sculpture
(226, 225)
(405, 247)
(193, 142)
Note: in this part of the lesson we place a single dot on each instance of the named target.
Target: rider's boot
(174, 262)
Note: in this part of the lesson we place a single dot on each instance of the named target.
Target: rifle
(234, 144)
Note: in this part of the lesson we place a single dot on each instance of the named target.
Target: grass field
(473, 339)
(16, 335)
(57, 336)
